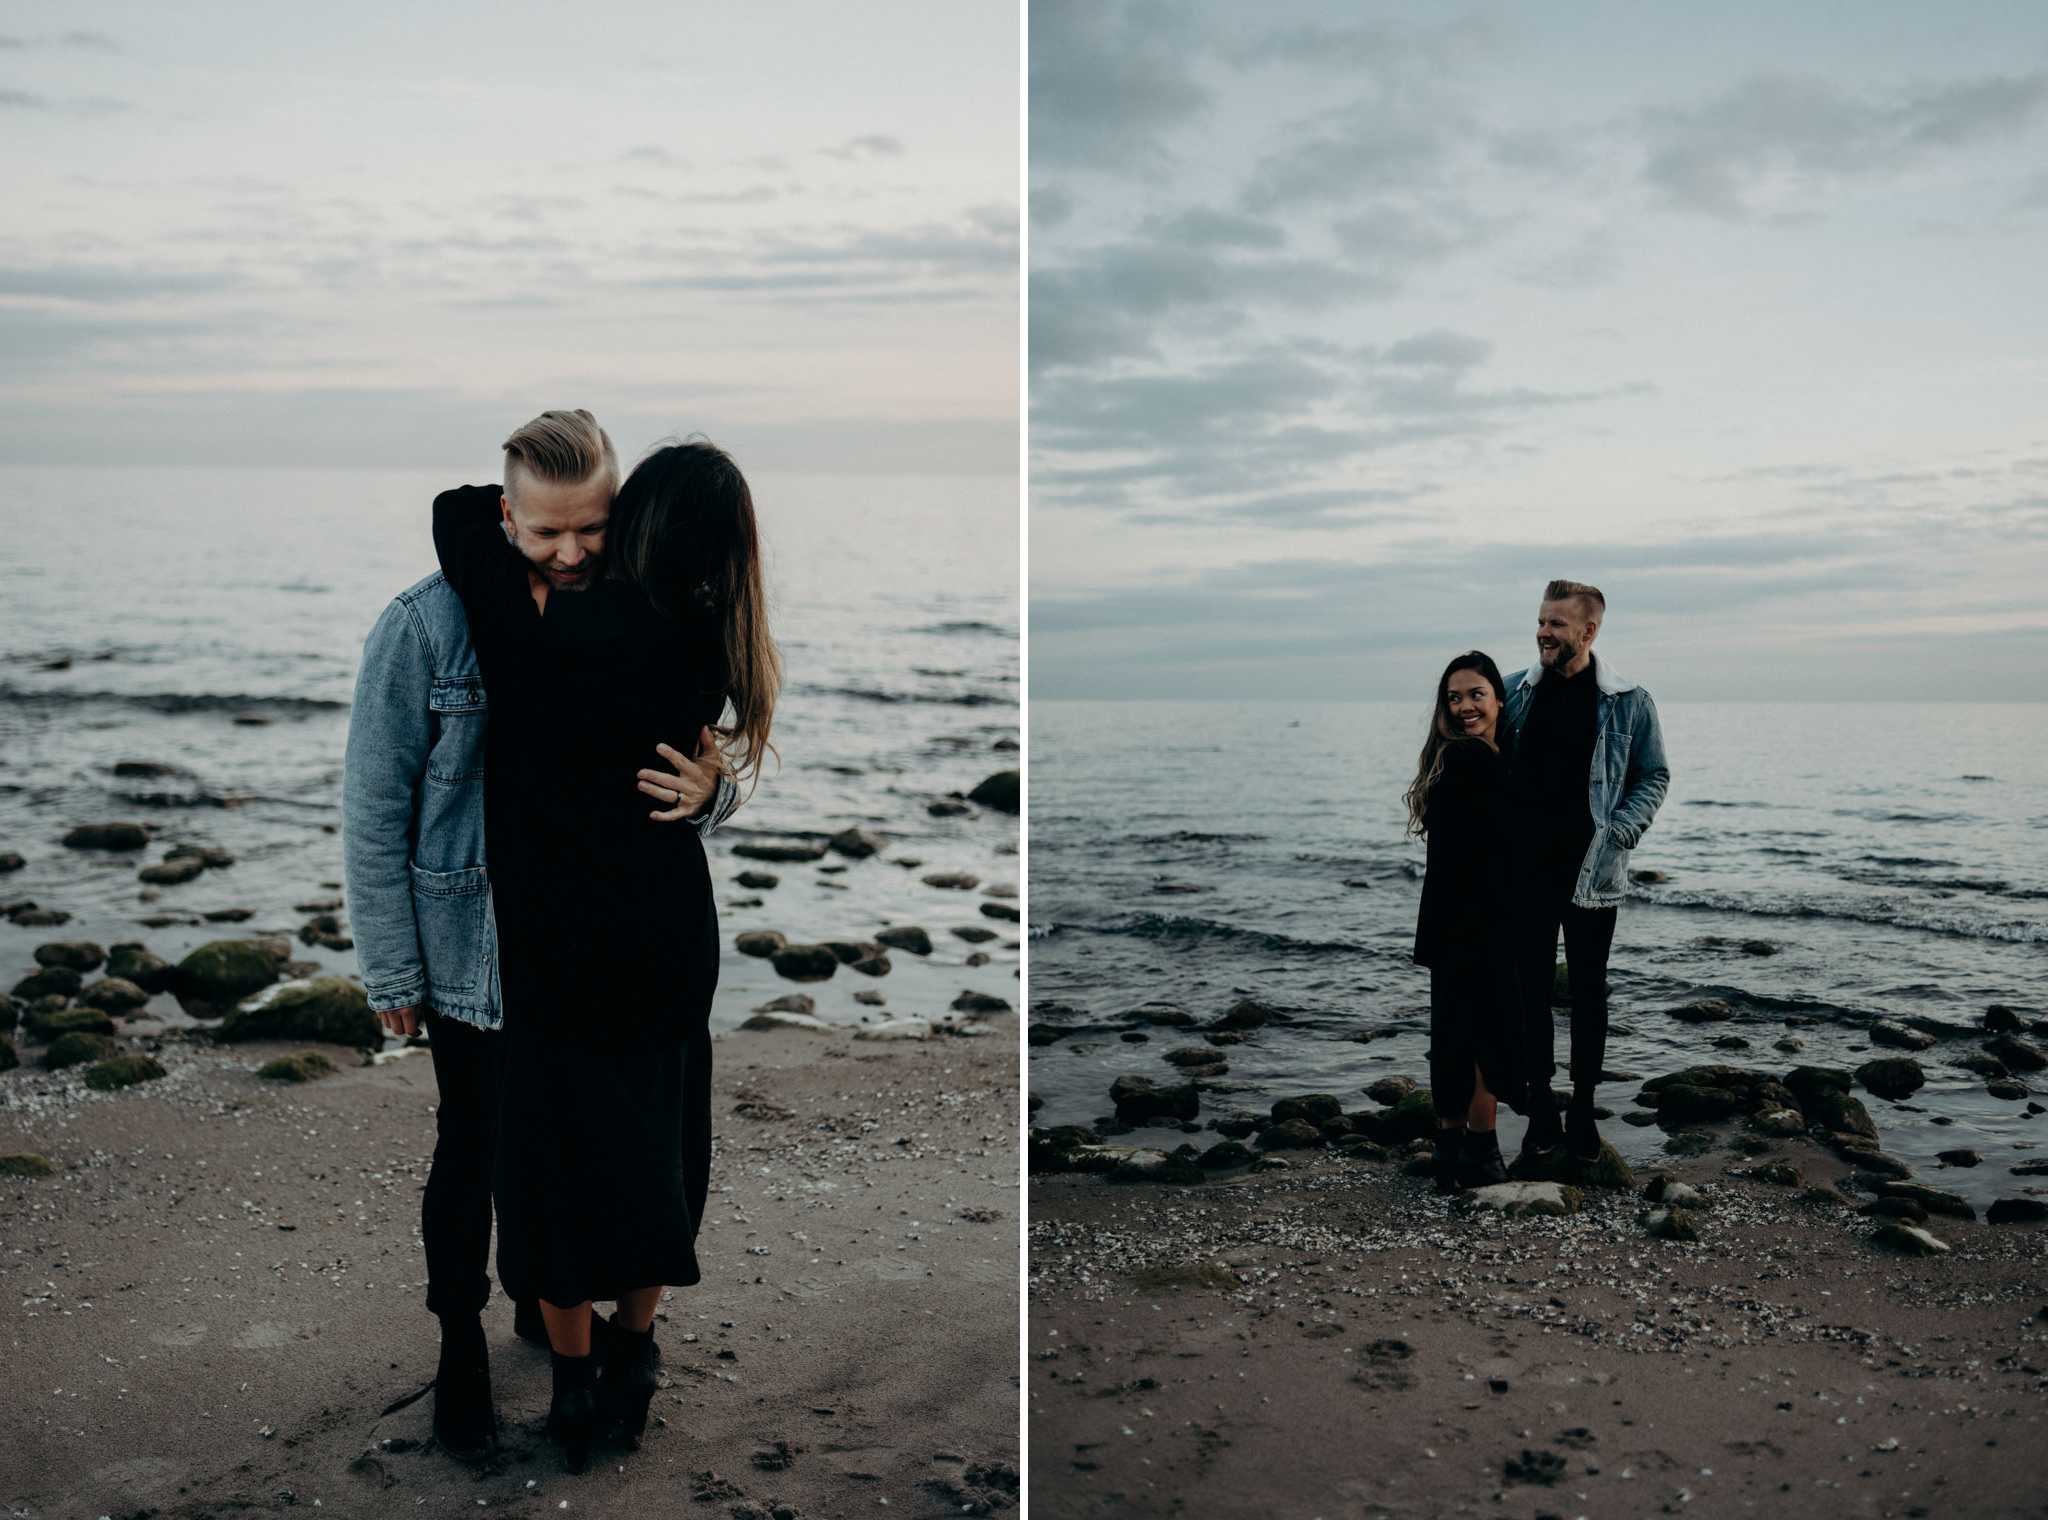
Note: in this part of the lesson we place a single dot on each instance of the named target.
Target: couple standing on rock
(566, 994)
(1531, 793)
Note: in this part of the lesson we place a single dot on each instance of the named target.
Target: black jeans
(1545, 907)
(455, 1214)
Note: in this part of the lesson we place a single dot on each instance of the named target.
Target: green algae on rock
(75, 1049)
(122, 1071)
(219, 974)
(328, 1008)
(305, 1066)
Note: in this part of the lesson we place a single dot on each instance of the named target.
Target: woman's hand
(684, 793)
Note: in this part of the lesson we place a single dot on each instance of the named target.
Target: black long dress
(608, 939)
(1464, 930)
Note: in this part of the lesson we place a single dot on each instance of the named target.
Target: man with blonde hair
(418, 888)
(1590, 750)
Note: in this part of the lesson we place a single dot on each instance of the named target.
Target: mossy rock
(805, 963)
(1783, 1173)
(331, 1009)
(122, 1071)
(1249, 1014)
(1228, 1153)
(26, 1164)
(1052, 1149)
(1833, 1109)
(219, 974)
(1290, 1135)
(1002, 791)
(49, 1026)
(132, 962)
(1682, 1103)
(306, 1066)
(1805, 1080)
(50, 981)
(9, 1059)
(1317, 1109)
(116, 994)
(76, 1049)
(1892, 1077)
(78, 954)
(1607, 1170)
(10, 1013)
(1413, 1118)
(1669, 1224)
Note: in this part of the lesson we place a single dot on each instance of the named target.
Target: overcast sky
(255, 233)
(1352, 324)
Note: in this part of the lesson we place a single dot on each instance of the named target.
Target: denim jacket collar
(1612, 683)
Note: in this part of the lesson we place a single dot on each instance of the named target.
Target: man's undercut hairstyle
(1592, 605)
(568, 447)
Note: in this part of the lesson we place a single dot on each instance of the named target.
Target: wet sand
(221, 1297)
(1332, 1340)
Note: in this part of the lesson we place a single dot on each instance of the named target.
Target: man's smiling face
(559, 527)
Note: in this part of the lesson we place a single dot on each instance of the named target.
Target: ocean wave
(968, 627)
(1181, 928)
(169, 701)
(1892, 915)
(1187, 836)
(942, 699)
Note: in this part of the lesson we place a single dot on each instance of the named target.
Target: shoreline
(259, 1353)
(1331, 1339)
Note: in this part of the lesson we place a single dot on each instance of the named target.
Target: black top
(579, 697)
(1468, 888)
(1554, 753)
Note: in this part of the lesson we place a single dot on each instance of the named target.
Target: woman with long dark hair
(1463, 801)
(603, 626)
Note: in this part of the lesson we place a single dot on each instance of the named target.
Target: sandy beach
(1332, 1340)
(220, 1295)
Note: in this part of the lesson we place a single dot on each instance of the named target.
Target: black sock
(462, 1339)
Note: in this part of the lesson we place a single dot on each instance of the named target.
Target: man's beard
(1563, 654)
(588, 575)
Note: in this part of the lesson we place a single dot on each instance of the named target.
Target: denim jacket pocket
(458, 710)
(453, 911)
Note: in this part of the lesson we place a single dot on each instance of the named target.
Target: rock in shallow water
(219, 974)
(2016, 1053)
(1390, 1090)
(2017, 1211)
(107, 836)
(1139, 1099)
(1002, 791)
(805, 963)
(328, 1008)
(51, 980)
(78, 954)
(1892, 1076)
(906, 938)
(115, 994)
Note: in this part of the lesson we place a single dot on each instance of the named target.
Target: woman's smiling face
(1475, 709)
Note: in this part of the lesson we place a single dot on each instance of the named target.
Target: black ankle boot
(527, 1323)
(1544, 1132)
(1479, 1163)
(1447, 1143)
(573, 1414)
(626, 1380)
(463, 1419)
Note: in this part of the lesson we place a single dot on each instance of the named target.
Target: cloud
(21, 100)
(1777, 135)
(874, 146)
(98, 42)
(1108, 79)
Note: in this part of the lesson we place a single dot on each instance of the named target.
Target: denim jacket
(412, 810)
(1628, 780)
